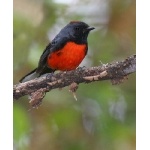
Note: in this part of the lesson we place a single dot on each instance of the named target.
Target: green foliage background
(104, 116)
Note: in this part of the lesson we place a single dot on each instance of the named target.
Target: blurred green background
(104, 117)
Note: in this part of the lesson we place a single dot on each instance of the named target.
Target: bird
(65, 52)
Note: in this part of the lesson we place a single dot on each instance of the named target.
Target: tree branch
(37, 88)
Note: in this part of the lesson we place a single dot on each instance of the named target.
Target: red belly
(67, 58)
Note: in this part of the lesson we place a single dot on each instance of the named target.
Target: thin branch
(37, 88)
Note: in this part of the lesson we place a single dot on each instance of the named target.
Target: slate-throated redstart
(65, 52)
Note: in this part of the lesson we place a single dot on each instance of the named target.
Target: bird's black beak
(90, 28)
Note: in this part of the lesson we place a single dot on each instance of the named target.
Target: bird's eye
(77, 28)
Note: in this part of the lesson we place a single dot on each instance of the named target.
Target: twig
(115, 72)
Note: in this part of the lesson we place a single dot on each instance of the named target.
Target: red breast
(67, 58)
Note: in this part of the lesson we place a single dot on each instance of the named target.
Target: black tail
(36, 73)
(30, 76)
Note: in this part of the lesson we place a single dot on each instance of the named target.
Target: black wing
(57, 43)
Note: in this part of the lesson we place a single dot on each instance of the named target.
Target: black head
(77, 31)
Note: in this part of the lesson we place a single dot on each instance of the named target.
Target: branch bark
(116, 72)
